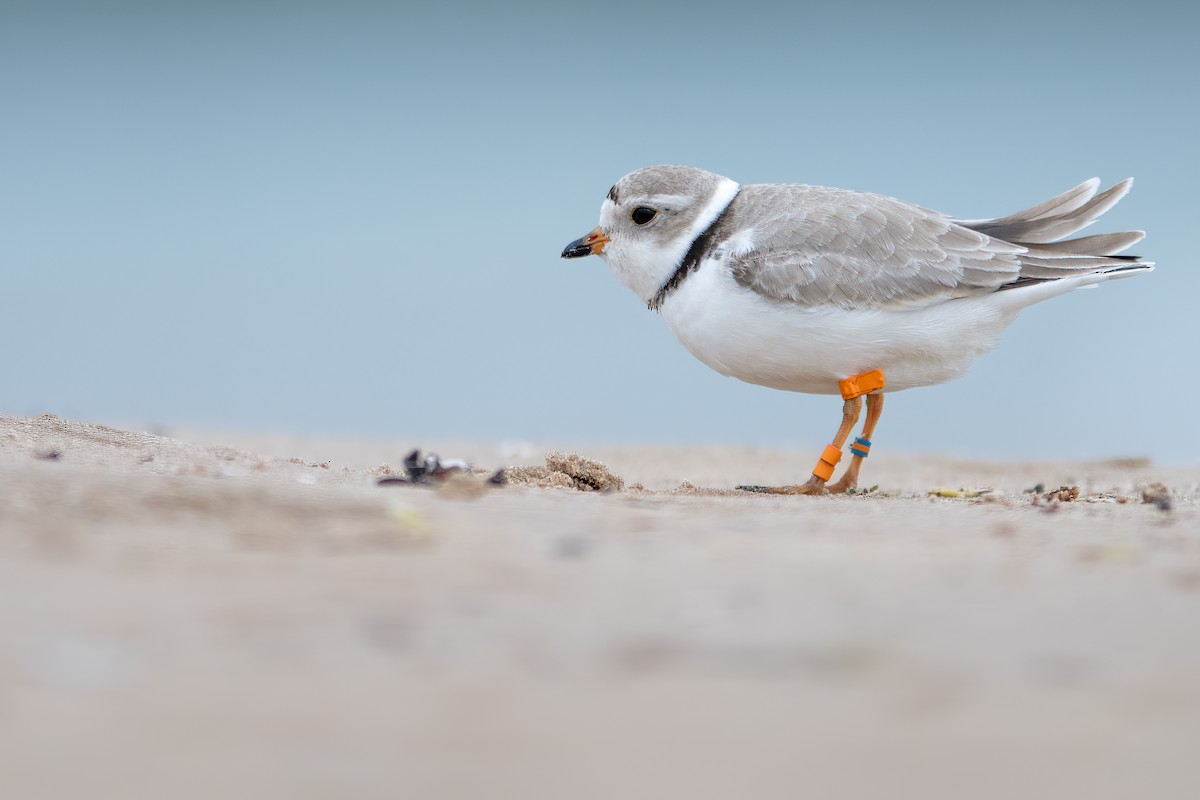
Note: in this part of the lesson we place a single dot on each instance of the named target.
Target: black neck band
(691, 260)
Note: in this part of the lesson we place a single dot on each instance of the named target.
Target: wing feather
(816, 246)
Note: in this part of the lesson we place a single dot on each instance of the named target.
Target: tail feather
(1064, 203)
(1049, 269)
(1055, 226)
(1100, 244)
(1027, 291)
(1042, 231)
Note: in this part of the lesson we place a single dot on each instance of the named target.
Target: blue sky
(346, 220)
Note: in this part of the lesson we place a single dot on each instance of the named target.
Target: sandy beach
(250, 616)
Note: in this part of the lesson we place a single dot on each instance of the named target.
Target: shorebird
(831, 291)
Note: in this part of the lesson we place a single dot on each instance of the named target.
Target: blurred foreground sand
(198, 621)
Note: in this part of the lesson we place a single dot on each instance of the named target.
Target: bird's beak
(590, 245)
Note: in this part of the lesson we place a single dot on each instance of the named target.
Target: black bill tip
(577, 249)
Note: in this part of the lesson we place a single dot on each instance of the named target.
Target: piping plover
(831, 291)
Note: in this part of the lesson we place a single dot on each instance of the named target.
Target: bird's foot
(813, 486)
(843, 486)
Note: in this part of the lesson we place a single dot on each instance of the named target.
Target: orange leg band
(858, 385)
(829, 459)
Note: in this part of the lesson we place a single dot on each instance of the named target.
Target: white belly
(784, 346)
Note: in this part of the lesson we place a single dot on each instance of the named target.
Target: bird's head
(650, 219)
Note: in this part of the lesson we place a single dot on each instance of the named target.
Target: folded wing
(816, 246)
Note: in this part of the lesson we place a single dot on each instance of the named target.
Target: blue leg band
(861, 447)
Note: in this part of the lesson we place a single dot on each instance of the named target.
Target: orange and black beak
(590, 245)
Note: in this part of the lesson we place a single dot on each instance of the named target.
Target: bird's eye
(642, 215)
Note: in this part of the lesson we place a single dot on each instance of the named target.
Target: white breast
(782, 345)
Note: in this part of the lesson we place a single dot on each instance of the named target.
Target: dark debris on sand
(562, 471)
(566, 471)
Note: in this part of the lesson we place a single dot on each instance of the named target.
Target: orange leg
(851, 410)
(861, 446)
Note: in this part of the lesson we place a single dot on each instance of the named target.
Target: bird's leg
(861, 447)
(852, 389)
(824, 469)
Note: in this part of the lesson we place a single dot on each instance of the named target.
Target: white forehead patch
(671, 201)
